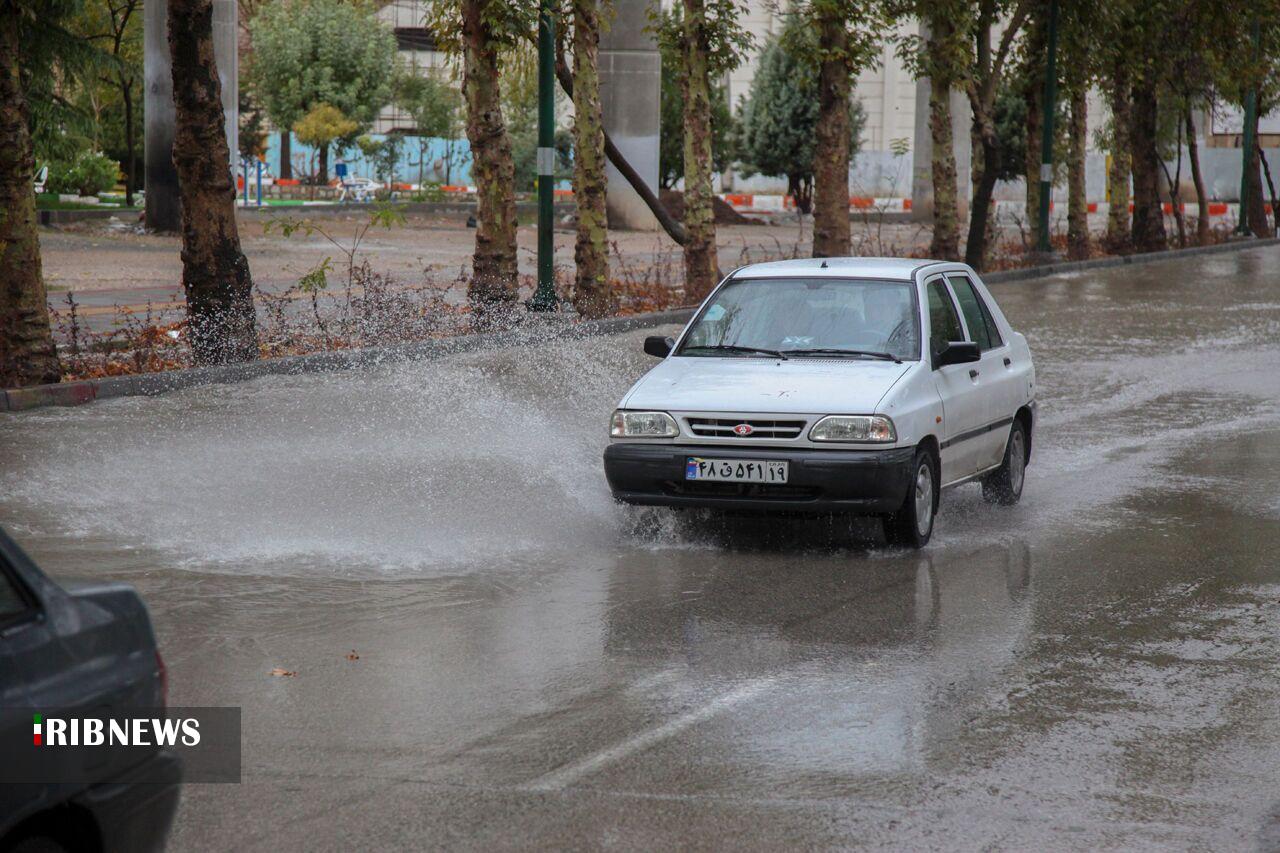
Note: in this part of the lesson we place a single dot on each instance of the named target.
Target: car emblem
(743, 429)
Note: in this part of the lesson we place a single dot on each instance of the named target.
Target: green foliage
(323, 125)
(724, 39)
(431, 101)
(671, 134)
(311, 52)
(113, 31)
(520, 109)
(54, 58)
(948, 52)
(510, 22)
(866, 24)
(383, 154)
(1011, 127)
(316, 279)
(88, 174)
(253, 132)
(779, 116)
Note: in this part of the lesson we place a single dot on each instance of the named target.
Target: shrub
(90, 173)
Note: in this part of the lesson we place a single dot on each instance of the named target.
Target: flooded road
(1096, 667)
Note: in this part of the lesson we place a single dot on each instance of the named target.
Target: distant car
(844, 385)
(74, 646)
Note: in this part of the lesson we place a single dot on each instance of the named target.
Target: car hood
(795, 386)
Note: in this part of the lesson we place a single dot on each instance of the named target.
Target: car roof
(901, 269)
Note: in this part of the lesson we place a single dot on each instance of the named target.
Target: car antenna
(823, 265)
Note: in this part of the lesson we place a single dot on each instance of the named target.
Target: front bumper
(819, 481)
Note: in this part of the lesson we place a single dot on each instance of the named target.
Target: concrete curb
(1046, 270)
(150, 384)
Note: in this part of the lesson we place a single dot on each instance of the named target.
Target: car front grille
(724, 428)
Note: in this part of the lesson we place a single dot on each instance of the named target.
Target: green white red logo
(38, 733)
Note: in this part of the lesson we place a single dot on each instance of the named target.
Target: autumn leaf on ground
(353, 655)
(280, 671)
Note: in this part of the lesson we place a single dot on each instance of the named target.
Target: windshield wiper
(887, 356)
(734, 348)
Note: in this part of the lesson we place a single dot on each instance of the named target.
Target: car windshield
(860, 318)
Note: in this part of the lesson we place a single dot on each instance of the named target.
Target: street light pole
(1246, 156)
(545, 297)
(1046, 143)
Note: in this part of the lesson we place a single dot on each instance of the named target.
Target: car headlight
(859, 428)
(643, 425)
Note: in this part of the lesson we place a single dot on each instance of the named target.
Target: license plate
(735, 470)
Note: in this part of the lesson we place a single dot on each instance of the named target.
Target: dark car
(87, 647)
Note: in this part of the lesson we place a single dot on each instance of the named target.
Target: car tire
(1004, 485)
(912, 525)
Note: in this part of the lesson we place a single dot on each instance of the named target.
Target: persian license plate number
(735, 470)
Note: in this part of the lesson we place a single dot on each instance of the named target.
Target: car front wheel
(1004, 485)
(912, 525)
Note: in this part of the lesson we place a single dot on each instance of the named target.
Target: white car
(837, 385)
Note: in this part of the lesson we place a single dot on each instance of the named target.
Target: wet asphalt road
(1095, 668)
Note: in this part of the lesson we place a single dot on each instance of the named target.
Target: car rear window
(12, 602)
(977, 316)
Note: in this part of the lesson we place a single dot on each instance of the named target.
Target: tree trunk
(286, 155)
(1118, 175)
(1202, 198)
(673, 228)
(322, 169)
(831, 236)
(1271, 188)
(701, 265)
(591, 296)
(946, 234)
(493, 266)
(215, 273)
(1256, 206)
(1148, 218)
(1077, 192)
(1174, 183)
(1032, 95)
(975, 250)
(27, 353)
(131, 165)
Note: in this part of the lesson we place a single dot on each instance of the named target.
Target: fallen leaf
(353, 655)
(283, 672)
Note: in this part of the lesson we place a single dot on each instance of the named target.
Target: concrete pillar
(922, 156)
(163, 212)
(630, 91)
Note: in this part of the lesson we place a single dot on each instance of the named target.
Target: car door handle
(1007, 361)
(973, 374)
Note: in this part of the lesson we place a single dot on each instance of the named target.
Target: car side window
(977, 316)
(944, 323)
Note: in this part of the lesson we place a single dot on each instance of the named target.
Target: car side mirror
(957, 352)
(658, 346)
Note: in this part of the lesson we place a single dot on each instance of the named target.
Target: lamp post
(544, 299)
(1046, 142)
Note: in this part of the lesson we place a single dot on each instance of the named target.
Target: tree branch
(674, 229)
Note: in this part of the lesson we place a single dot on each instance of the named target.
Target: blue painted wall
(406, 169)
